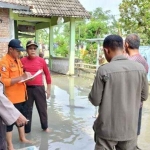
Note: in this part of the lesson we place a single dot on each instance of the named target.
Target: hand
(26, 75)
(30, 79)
(21, 121)
(48, 93)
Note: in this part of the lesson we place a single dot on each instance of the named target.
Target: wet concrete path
(70, 119)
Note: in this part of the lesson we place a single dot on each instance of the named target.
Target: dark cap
(31, 42)
(15, 43)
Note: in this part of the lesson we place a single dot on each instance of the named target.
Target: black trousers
(22, 108)
(36, 94)
(139, 121)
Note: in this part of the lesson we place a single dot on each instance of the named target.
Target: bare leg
(22, 135)
(47, 130)
(9, 140)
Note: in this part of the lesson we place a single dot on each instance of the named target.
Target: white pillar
(12, 32)
(72, 46)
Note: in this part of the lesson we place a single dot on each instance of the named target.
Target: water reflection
(44, 142)
(70, 118)
(73, 128)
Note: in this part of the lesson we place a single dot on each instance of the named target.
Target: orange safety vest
(9, 68)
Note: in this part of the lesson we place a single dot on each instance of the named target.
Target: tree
(62, 47)
(115, 26)
(98, 24)
(99, 14)
(135, 18)
(80, 27)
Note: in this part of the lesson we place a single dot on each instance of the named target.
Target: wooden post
(98, 51)
(72, 46)
(37, 39)
(37, 36)
(51, 42)
(16, 29)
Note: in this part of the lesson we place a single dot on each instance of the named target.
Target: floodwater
(70, 117)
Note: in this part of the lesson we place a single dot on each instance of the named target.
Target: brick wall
(5, 31)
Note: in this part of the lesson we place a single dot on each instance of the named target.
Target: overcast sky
(112, 5)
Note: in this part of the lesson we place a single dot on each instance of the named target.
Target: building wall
(60, 65)
(6, 30)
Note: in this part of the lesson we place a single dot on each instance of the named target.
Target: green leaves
(135, 18)
(62, 46)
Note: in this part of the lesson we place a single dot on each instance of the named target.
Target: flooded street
(144, 138)
(71, 119)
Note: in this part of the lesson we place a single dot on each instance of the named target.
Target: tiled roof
(47, 8)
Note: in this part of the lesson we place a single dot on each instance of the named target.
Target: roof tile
(69, 8)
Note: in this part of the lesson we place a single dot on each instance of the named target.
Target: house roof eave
(14, 6)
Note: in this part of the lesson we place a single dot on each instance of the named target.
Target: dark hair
(133, 40)
(114, 42)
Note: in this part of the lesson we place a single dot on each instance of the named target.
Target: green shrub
(62, 46)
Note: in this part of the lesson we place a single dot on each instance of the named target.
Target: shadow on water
(70, 118)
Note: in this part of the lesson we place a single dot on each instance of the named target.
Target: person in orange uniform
(11, 75)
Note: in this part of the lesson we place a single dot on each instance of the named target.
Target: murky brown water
(70, 119)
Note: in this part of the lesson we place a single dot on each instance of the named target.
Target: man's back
(140, 59)
(124, 86)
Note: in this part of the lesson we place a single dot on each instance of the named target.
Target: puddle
(71, 119)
